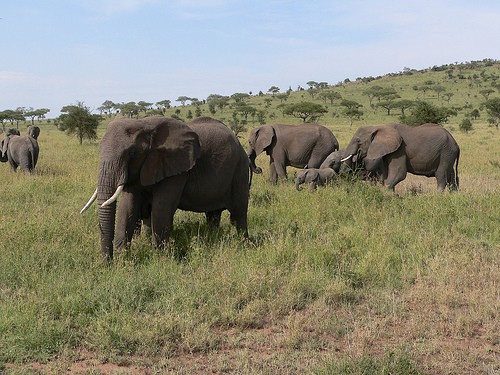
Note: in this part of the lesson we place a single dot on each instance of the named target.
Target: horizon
(153, 50)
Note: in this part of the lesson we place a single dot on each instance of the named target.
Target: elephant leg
(396, 170)
(166, 197)
(445, 176)
(273, 175)
(238, 217)
(312, 186)
(213, 218)
(280, 170)
(146, 219)
(128, 218)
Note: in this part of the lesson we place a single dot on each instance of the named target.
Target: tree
(38, 113)
(424, 112)
(163, 105)
(465, 125)
(373, 92)
(129, 109)
(447, 96)
(307, 111)
(183, 100)
(239, 97)
(438, 89)
(274, 90)
(493, 109)
(107, 107)
(330, 95)
(144, 106)
(351, 110)
(403, 104)
(77, 120)
(215, 100)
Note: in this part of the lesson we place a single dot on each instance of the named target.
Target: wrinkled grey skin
(392, 151)
(165, 165)
(20, 151)
(314, 177)
(333, 161)
(290, 145)
(34, 131)
(9, 132)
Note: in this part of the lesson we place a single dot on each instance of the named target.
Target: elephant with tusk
(159, 165)
(392, 151)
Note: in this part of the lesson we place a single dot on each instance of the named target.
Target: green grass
(348, 279)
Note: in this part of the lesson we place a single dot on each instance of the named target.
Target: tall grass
(351, 276)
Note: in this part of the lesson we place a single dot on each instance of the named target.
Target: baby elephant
(315, 177)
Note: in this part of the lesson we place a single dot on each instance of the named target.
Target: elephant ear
(263, 138)
(174, 148)
(5, 146)
(385, 140)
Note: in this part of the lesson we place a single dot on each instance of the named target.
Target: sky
(61, 52)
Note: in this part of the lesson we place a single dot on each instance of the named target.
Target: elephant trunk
(106, 188)
(298, 182)
(251, 156)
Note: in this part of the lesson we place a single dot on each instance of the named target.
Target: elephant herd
(158, 165)
(20, 151)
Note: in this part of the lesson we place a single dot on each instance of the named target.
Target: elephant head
(259, 140)
(305, 176)
(139, 153)
(371, 143)
(34, 131)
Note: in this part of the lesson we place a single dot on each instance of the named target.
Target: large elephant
(314, 177)
(160, 165)
(290, 145)
(396, 149)
(20, 151)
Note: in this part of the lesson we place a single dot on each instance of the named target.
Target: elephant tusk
(114, 197)
(89, 203)
(345, 159)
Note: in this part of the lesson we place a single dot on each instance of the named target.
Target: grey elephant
(314, 177)
(395, 150)
(9, 132)
(20, 151)
(159, 165)
(290, 145)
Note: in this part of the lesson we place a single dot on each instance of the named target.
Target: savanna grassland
(350, 279)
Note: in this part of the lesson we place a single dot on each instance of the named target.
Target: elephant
(34, 131)
(397, 149)
(159, 165)
(20, 151)
(349, 167)
(290, 145)
(334, 161)
(314, 177)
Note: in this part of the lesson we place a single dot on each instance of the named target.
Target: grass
(349, 279)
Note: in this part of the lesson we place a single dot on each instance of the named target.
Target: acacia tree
(77, 120)
(330, 95)
(274, 90)
(425, 112)
(38, 113)
(352, 110)
(493, 109)
(307, 111)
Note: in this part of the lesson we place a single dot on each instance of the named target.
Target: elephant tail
(250, 177)
(457, 180)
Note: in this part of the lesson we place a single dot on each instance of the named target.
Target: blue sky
(60, 52)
